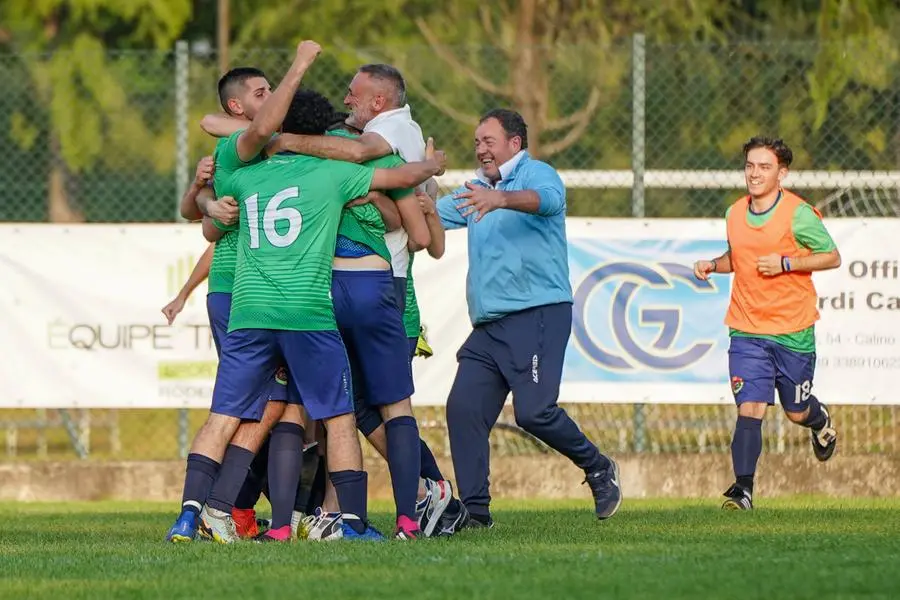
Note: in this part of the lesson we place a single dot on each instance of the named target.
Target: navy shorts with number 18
(758, 367)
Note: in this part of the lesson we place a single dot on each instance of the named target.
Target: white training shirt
(405, 137)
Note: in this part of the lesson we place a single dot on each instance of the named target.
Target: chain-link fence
(617, 428)
(638, 129)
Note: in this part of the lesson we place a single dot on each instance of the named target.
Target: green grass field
(797, 548)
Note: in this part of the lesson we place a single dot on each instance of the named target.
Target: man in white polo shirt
(376, 98)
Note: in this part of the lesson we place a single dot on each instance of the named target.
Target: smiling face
(762, 173)
(493, 147)
(365, 99)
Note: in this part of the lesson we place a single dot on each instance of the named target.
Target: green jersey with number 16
(290, 211)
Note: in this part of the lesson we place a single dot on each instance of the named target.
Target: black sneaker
(824, 441)
(738, 499)
(477, 521)
(454, 518)
(604, 486)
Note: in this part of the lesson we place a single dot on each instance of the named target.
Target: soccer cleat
(423, 348)
(348, 533)
(321, 527)
(479, 522)
(218, 526)
(184, 529)
(456, 517)
(407, 529)
(297, 518)
(738, 499)
(282, 535)
(422, 505)
(437, 498)
(824, 441)
(245, 522)
(604, 486)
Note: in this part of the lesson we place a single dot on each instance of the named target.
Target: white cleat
(437, 499)
(217, 526)
(321, 527)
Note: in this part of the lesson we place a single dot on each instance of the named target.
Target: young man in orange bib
(775, 241)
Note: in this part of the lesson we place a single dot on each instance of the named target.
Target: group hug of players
(307, 304)
(312, 309)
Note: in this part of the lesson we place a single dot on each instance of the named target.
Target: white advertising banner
(80, 320)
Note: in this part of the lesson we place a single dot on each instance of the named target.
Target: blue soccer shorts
(758, 367)
(371, 325)
(218, 308)
(317, 365)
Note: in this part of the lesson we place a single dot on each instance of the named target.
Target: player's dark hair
(776, 145)
(511, 121)
(391, 75)
(339, 121)
(229, 83)
(310, 113)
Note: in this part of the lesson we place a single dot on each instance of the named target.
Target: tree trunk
(59, 209)
(528, 76)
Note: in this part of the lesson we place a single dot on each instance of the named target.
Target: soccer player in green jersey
(281, 305)
(205, 480)
(242, 92)
(370, 321)
(377, 97)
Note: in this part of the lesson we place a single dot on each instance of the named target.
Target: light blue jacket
(516, 260)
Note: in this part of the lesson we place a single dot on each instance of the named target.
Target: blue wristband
(785, 264)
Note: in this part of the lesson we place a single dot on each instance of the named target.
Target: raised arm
(271, 114)
(364, 148)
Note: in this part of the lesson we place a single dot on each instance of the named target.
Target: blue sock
(234, 470)
(404, 463)
(351, 488)
(198, 481)
(285, 464)
(746, 446)
(816, 419)
(430, 469)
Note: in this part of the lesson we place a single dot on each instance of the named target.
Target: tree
(82, 94)
(556, 62)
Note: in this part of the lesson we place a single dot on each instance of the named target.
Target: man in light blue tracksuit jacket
(520, 305)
